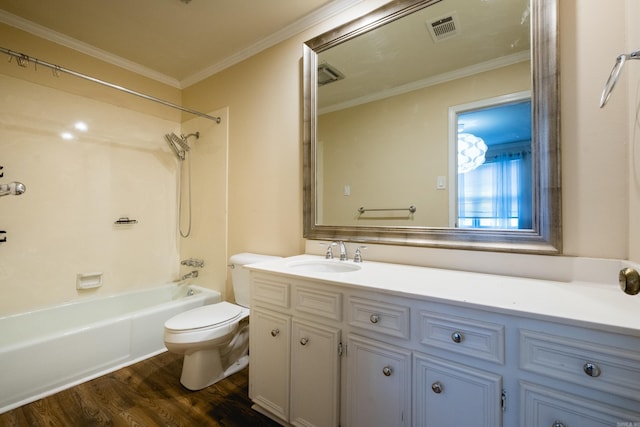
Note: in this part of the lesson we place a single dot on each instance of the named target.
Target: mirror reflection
(383, 114)
(435, 123)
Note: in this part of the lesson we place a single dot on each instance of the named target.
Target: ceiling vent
(328, 74)
(444, 27)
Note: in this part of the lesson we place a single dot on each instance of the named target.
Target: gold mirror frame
(546, 234)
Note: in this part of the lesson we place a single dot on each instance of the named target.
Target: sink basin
(323, 266)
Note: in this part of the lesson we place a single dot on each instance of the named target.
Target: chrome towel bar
(411, 209)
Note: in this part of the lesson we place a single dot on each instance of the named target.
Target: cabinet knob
(387, 371)
(436, 387)
(374, 318)
(275, 332)
(304, 341)
(456, 337)
(591, 369)
(557, 424)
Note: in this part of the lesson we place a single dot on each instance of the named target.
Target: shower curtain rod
(23, 60)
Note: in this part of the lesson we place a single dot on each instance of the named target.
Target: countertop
(596, 305)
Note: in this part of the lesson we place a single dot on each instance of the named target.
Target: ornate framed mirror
(389, 96)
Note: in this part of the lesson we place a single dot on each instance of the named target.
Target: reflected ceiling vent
(444, 27)
(328, 74)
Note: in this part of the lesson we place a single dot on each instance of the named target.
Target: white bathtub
(47, 350)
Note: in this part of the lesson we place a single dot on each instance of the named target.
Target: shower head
(13, 188)
(179, 145)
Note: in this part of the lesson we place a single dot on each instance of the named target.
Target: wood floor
(146, 394)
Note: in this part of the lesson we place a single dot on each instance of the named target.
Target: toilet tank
(240, 275)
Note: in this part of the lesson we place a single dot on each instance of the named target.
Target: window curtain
(497, 194)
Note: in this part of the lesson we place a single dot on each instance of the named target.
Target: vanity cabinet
(328, 353)
(294, 370)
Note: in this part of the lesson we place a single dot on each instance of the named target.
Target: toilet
(214, 338)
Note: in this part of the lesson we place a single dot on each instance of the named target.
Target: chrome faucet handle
(357, 257)
(329, 253)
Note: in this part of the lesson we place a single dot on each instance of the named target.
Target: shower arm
(23, 59)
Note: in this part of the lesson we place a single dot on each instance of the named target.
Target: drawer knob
(591, 369)
(436, 387)
(374, 318)
(456, 337)
(275, 332)
(304, 341)
(387, 371)
(557, 424)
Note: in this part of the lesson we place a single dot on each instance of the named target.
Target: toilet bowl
(214, 339)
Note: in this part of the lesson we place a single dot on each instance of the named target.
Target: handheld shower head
(13, 188)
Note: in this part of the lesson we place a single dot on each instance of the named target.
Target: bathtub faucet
(191, 275)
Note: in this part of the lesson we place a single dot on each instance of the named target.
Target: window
(495, 192)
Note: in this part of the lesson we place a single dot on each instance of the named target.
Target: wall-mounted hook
(3, 239)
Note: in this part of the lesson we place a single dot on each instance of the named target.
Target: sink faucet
(343, 250)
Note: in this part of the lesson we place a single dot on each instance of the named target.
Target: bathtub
(47, 350)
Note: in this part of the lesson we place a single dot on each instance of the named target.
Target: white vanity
(394, 345)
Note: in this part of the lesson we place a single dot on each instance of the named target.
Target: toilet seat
(205, 317)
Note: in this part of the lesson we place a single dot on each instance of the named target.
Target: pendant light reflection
(471, 151)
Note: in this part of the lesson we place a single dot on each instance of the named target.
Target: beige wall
(356, 150)
(631, 84)
(23, 42)
(262, 97)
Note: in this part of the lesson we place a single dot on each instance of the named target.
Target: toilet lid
(203, 317)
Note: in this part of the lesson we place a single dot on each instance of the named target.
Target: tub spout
(191, 275)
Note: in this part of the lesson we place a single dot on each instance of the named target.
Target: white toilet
(214, 338)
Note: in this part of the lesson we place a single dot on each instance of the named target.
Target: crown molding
(315, 18)
(471, 70)
(85, 48)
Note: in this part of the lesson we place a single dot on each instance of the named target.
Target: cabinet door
(450, 394)
(542, 406)
(315, 373)
(269, 350)
(378, 384)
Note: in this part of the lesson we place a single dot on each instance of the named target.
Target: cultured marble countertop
(596, 305)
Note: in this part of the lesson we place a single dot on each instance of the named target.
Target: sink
(323, 266)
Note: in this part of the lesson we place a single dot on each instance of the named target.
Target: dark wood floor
(146, 394)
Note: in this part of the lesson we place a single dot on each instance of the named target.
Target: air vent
(328, 74)
(444, 27)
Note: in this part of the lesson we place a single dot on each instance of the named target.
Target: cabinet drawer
(317, 302)
(273, 292)
(542, 406)
(386, 318)
(601, 367)
(467, 336)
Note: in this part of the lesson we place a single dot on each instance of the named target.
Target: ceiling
(403, 56)
(175, 41)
